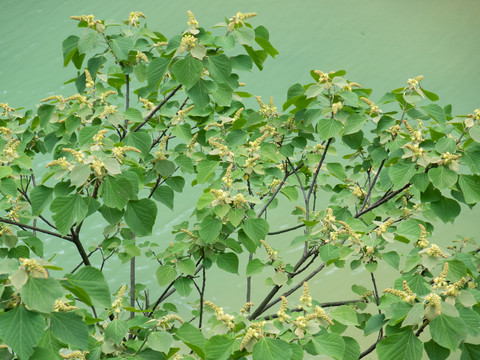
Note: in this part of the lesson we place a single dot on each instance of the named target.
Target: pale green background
(380, 43)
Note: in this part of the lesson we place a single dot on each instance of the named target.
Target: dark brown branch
(34, 228)
(424, 325)
(377, 301)
(314, 181)
(158, 107)
(286, 230)
(370, 188)
(132, 286)
(384, 199)
(78, 244)
(202, 295)
(370, 349)
(299, 181)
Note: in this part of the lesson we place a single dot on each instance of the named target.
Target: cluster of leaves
(387, 174)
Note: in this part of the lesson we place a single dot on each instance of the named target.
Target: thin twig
(286, 230)
(34, 228)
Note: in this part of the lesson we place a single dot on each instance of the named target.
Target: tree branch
(382, 200)
(34, 228)
(158, 107)
(314, 181)
(286, 230)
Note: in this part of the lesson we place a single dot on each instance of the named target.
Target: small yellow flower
(106, 94)
(60, 306)
(147, 104)
(435, 301)
(373, 108)
(33, 267)
(422, 241)
(245, 308)
(89, 83)
(141, 56)
(282, 313)
(336, 107)
(61, 162)
(272, 254)
(192, 22)
(188, 43)
(134, 17)
(306, 299)
(109, 109)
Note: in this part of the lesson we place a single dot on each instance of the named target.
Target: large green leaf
(21, 329)
(116, 330)
(328, 128)
(193, 338)
(140, 216)
(228, 262)
(401, 173)
(210, 228)
(39, 294)
(183, 285)
(121, 46)
(352, 349)
(435, 111)
(141, 140)
(470, 185)
(254, 267)
(435, 351)
(160, 341)
(88, 41)
(345, 314)
(166, 274)
(92, 281)
(205, 169)
(327, 344)
(68, 210)
(256, 229)
(156, 70)
(442, 177)
(165, 195)
(470, 351)
(271, 349)
(446, 209)
(220, 68)
(448, 331)
(353, 123)
(116, 192)
(400, 346)
(40, 196)
(219, 347)
(245, 36)
(187, 71)
(69, 328)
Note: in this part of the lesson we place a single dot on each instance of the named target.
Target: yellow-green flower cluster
(188, 43)
(227, 319)
(119, 151)
(81, 99)
(6, 109)
(141, 57)
(454, 289)
(60, 306)
(33, 268)
(434, 251)
(105, 95)
(221, 197)
(439, 281)
(79, 156)
(413, 83)
(10, 149)
(373, 108)
(305, 299)
(405, 296)
(282, 313)
(336, 107)
(227, 179)
(323, 77)
(383, 227)
(422, 241)
(146, 104)
(61, 162)
(254, 331)
(239, 19)
(6, 132)
(435, 301)
(192, 22)
(272, 254)
(160, 153)
(163, 321)
(89, 19)
(322, 315)
(219, 149)
(239, 201)
(134, 17)
(415, 135)
(180, 116)
(118, 303)
(109, 109)
(358, 192)
(347, 229)
(351, 85)
(246, 308)
(76, 354)
(98, 166)
(269, 111)
(89, 83)
(192, 143)
(416, 151)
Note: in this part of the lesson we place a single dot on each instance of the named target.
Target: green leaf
(241, 62)
(40, 196)
(165, 195)
(470, 351)
(187, 71)
(21, 329)
(204, 200)
(256, 229)
(471, 318)
(115, 192)
(248, 243)
(116, 331)
(156, 70)
(353, 123)
(183, 285)
(69, 47)
(345, 314)
(79, 175)
(88, 42)
(280, 278)
(134, 115)
(409, 229)
(223, 95)
(69, 328)
(475, 133)
(401, 173)
(435, 111)
(328, 128)
(220, 68)
(446, 209)
(5, 171)
(228, 262)
(199, 93)
(392, 258)
(329, 252)
(374, 324)
(160, 341)
(205, 169)
(193, 338)
(92, 281)
(337, 170)
(186, 266)
(219, 347)
(245, 36)
(442, 177)
(400, 346)
(121, 46)
(45, 113)
(415, 315)
(435, 351)
(271, 349)
(177, 183)
(141, 140)
(254, 267)
(165, 167)
(448, 331)
(166, 274)
(39, 294)
(470, 185)
(210, 228)
(327, 344)
(352, 349)
(140, 216)
(68, 210)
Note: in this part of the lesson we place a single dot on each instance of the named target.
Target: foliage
(151, 116)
